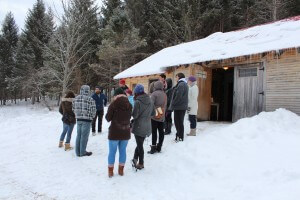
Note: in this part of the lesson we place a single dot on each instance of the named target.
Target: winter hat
(192, 78)
(118, 91)
(139, 89)
(122, 82)
(128, 91)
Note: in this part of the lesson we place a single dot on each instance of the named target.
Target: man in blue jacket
(101, 101)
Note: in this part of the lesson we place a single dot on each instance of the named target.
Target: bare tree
(66, 50)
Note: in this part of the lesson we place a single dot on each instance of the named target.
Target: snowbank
(258, 39)
(254, 158)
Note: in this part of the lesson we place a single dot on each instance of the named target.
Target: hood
(122, 103)
(85, 90)
(169, 83)
(158, 85)
(144, 99)
(67, 100)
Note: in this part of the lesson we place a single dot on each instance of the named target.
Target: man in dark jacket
(179, 104)
(101, 101)
(84, 108)
(122, 84)
(168, 120)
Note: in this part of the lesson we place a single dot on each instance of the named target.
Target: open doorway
(222, 94)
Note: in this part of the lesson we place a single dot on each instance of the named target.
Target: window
(248, 72)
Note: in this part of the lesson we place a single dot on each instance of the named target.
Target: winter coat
(169, 91)
(124, 88)
(119, 114)
(159, 99)
(131, 100)
(142, 112)
(100, 100)
(65, 108)
(193, 99)
(180, 96)
(84, 106)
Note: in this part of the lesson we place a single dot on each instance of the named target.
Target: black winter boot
(158, 148)
(153, 149)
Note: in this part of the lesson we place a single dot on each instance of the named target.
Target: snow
(282, 34)
(254, 158)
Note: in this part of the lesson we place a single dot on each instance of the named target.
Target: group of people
(129, 112)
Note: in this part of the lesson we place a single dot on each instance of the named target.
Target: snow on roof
(278, 35)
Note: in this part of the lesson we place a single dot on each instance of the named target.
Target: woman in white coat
(193, 104)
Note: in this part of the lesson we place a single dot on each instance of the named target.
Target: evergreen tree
(39, 27)
(8, 46)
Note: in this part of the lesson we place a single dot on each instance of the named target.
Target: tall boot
(192, 132)
(110, 172)
(152, 150)
(121, 170)
(68, 147)
(60, 144)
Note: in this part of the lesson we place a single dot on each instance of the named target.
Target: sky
(20, 8)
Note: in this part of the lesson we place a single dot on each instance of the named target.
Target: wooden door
(248, 99)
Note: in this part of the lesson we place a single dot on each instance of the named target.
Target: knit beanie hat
(192, 78)
(118, 91)
(139, 89)
(122, 82)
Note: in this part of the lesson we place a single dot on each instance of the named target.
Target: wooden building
(240, 73)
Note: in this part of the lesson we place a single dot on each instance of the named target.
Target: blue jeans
(83, 131)
(67, 128)
(113, 145)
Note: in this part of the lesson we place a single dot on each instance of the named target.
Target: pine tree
(39, 26)
(108, 8)
(8, 40)
(117, 51)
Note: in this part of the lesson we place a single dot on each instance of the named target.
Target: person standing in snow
(179, 103)
(68, 119)
(193, 104)
(101, 101)
(143, 110)
(168, 120)
(84, 108)
(159, 99)
(123, 85)
(119, 114)
(130, 97)
(161, 78)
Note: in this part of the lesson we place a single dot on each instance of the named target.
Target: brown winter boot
(110, 172)
(192, 132)
(61, 144)
(121, 170)
(140, 166)
(68, 147)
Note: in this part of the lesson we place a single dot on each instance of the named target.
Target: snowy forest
(88, 44)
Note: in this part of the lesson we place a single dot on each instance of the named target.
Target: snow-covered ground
(254, 159)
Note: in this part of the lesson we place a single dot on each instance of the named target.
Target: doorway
(222, 94)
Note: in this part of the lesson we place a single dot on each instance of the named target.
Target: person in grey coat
(84, 108)
(142, 112)
(159, 99)
(179, 104)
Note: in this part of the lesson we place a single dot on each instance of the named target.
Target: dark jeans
(99, 114)
(160, 127)
(139, 150)
(179, 120)
(168, 122)
(193, 121)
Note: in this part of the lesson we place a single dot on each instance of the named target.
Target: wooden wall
(283, 82)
